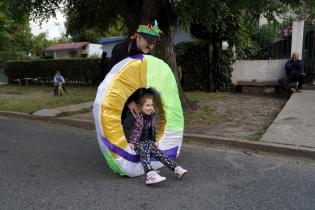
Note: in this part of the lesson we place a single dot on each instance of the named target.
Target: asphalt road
(46, 166)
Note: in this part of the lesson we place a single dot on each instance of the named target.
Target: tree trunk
(164, 49)
(210, 53)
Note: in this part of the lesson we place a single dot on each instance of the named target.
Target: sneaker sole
(150, 183)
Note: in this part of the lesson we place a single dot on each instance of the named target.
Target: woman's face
(147, 107)
(143, 44)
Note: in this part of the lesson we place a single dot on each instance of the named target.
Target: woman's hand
(132, 146)
(133, 108)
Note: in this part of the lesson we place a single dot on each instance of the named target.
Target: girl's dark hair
(142, 98)
(147, 92)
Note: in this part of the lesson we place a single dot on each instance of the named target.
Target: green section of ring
(112, 164)
(161, 78)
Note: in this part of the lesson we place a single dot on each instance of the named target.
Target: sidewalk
(292, 133)
(71, 108)
(295, 124)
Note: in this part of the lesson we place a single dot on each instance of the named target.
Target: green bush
(85, 71)
(193, 59)
(11, 55)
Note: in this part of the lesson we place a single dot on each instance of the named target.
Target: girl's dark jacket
(139, 127)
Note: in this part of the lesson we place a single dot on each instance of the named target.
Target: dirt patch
(236, 115)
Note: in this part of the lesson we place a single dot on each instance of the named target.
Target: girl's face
(147, 107)
(143, 44)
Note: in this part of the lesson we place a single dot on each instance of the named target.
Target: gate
(309, 53)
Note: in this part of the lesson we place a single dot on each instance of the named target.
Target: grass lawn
(29, 99)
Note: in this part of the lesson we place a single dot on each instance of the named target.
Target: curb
(77, 123)
(289, 150)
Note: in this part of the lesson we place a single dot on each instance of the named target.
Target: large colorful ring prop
(140, 71)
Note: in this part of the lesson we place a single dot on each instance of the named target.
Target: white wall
(63, 55)
(108, 47)
(94, 49)
(297, 37)
(258, 70)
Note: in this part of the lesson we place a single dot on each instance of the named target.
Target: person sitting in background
(59, 84)
(294, 73)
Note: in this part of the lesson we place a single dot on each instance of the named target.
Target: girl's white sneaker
(153, 177)
(180, 172)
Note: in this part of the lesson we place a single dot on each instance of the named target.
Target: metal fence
(3, 77)
(273, 42)
(309, 53)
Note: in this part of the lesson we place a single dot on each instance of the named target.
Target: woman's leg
(158, 154)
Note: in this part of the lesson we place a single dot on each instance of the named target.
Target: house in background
(109, 43)
(75, 50)
(181, 36)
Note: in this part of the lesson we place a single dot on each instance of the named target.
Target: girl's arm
(136, 129)
(153, 128)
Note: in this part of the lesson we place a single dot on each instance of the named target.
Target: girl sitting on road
(140, 132)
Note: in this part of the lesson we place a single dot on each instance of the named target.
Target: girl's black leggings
(146, 149)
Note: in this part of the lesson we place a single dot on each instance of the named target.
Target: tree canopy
(217, 19)
(15, 33)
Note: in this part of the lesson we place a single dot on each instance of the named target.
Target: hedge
(87, 71)
(193, 59)
(11, 55)
(191, 56)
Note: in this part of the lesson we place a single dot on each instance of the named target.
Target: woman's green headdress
(149, 29)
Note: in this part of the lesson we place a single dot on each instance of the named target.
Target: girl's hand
(131, 146)
(133, 108)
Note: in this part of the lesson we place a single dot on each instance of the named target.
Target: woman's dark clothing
(123, 50)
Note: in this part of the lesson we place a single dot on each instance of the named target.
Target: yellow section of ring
(132, 77)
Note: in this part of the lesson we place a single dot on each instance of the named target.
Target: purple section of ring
(135, 158)
(138, 56)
